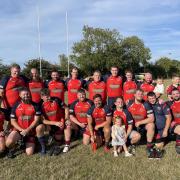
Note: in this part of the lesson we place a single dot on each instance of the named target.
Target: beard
(26, 101)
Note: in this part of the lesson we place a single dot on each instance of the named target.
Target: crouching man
(25, 119)
(55, 116)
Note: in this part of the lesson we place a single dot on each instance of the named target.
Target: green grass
(82, 163)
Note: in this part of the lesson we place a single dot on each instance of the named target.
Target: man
(10, 85)
(129, 87)
(35, 85)
(113, 85)
(175, 109)
(143, 116)
(147, 85)
(97, 86)
(55, 118)
(120, 111)
(99, 119)
(73, 84)
(162, 121)
(56, 86)
(25, 117)
(78, 115)
(175, 84)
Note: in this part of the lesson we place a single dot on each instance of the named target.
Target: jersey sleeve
(90, 111)
(4, 81)
(37, 109)
(129, 103)
(129, 117)
(108, 111)
(72, 108)
(13, 111)
(166, 109)
(90, 102)
(105, 77)
(59, 101)
(148, 108)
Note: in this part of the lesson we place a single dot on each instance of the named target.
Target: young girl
(119, 137)
(159, 88)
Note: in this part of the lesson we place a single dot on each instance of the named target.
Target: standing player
(143, 116)
(78, 115)
(175, 108)
(73, 84)
(162, 121)
(120, 111)
(99, 119)
(147, 85)
(113, 85)
(25, 117)
(97, 86)
(35, 85)
(10, 85)
(55, 119)
(56, 86)
(175, 84)
(129, 87)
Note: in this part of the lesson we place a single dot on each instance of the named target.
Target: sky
(156, 22)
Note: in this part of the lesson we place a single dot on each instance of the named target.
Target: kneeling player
(53, 111)
(175, 108)
(162, 121)
(143, 116)
(78, 115)
(99, 119)
(25, 118)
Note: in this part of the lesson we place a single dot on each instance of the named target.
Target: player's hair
(14, 65)
(97, 96)
(175, 75)
(119, 97)
(175, 89)
(97, 71)
(139, 90)
(151, 94)
(81, 91)
(74, 68)
(45, 92)
(114, 67)
(23, 89)
(128, 71)
(54, 70)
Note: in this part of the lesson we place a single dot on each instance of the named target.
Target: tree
(34, 63)
(170, 66)
(4, 69)
(134, 53)
(99, 49)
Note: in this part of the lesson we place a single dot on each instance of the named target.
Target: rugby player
(25, 119)
(35, 85)
(99, 119)
(175, 84)
(143, 116)
(147, 85)
(55, 118)
(56, 86)
(97, 86)
(162, 121)
(175, 109)
(78, 115)
(129, 87)
(73, 84)
(113, 85)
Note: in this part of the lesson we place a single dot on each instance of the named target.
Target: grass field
(82, 163)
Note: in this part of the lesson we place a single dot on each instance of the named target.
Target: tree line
(102, 48)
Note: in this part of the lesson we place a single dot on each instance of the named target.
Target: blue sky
(157, 22)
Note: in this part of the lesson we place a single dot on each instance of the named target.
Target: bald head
(148, 77)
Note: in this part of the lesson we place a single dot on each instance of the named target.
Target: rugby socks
(67, 143)
(149, 145)
(42, 143)
(177, 140)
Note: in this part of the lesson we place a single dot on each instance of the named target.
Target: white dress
(159, 88)
(119, 133)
